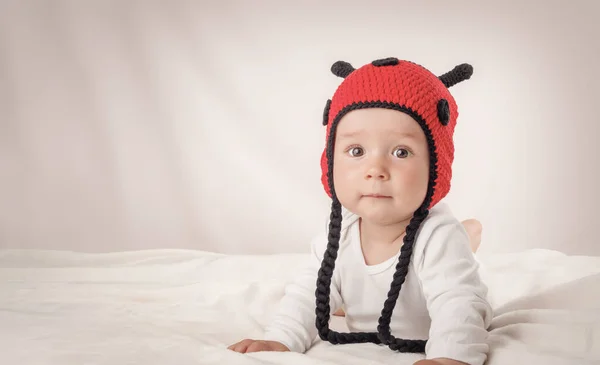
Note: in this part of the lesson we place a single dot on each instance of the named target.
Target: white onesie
(443, 298)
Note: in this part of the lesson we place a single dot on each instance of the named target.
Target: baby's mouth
(377, 196)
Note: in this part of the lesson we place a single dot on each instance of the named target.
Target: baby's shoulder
(439, 231)
(439, 215)
(321, 239)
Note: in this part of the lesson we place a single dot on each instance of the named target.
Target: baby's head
(389, 90)
(388, 158)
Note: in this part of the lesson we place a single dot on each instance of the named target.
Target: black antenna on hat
(342, 69)
(457, 74)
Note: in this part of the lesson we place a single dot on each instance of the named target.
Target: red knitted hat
(407, 87)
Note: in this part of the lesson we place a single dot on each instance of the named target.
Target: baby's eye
(356, 151)
(401, 152)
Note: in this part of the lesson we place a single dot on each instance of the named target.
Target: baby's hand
(440, 362)
(249, 345)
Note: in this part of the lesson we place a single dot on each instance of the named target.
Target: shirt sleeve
(294, 323)
(456, 297)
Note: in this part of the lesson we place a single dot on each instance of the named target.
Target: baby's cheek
(414, 178)
(344, 171)
(344, 181)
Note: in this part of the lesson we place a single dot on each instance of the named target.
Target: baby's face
(380, 165)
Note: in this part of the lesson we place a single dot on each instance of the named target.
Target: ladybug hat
(409, 88)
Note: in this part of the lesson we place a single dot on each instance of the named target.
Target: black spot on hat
(390, 61)
(326, 112)
(443, 111)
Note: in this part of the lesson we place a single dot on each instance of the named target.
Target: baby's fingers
(241, 346)
(257, 346)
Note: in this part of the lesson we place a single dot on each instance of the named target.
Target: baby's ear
(342, 69)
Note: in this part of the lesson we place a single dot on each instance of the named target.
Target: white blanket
(185, 307)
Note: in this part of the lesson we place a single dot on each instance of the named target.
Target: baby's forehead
(373, 120)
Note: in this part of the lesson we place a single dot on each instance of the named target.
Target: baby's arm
(294, 324)
(456, 298)
(293, 327)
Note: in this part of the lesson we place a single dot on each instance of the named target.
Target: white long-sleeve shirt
(443, 298)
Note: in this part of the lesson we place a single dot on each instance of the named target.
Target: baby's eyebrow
(404, 135)
(351, 134)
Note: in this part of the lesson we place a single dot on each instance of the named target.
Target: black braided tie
(412, 346)
(323, 290)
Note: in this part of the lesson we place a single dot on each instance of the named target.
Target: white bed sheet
(185, 307)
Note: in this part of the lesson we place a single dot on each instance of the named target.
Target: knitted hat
(409, 88)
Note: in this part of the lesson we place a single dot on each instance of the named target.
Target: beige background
(134, 125)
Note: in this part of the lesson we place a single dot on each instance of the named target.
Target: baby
(393, 257)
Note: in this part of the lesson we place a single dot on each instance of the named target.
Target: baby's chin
(382, 221)
(382, 216)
